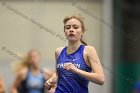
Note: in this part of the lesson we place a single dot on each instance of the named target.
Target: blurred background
(112, 27)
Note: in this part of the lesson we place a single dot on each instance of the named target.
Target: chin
(71, 39)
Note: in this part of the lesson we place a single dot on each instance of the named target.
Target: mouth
(71, 35)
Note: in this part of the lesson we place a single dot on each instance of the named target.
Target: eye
(67, 27)
(75, 27)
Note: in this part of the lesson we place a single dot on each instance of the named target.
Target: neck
(34, 69)
(72, 46)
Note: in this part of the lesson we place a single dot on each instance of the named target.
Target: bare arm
(97, 76)
(20, 77)
(48, 73)
(57, 52)
(2, 85)
(53, 78)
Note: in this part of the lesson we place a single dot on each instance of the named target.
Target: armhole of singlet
(84, 58)
(42, 72)
(60, 53)
(24, 81)
(27, 74)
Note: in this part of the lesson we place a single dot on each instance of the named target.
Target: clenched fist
(71, 67)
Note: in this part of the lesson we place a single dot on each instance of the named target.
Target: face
(34, 58)
(73, 30)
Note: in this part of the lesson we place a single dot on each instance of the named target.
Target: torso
(70, 82)
(33, 83)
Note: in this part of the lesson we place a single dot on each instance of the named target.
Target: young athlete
(77, 63)
(30, 77)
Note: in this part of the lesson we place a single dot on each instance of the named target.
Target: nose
(71, 30)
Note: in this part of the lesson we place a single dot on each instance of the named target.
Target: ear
(82, 33)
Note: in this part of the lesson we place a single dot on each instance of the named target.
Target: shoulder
(90, 49)
(22, 73)
(58, 51)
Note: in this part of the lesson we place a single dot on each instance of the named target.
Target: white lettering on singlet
(61, 65)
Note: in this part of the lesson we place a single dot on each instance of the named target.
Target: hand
(69, 66)
(49, 83)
